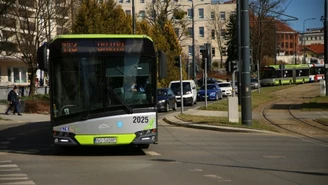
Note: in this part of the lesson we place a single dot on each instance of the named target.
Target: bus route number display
(99, 46)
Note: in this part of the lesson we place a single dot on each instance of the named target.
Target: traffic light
(233, 66)
(204, 53)
(208, 46)
(177, 61)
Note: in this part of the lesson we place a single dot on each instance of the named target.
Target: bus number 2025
(140, 119)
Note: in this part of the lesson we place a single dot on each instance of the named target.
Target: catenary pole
(325, 45)
(246, 100)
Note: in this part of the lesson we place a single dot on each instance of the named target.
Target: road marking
(152, 153)
(19, 183)
(12, 178)
(195, 170)
(14, 175)
(220, 179)
(9, 170)
(7, 161)
(8, 166)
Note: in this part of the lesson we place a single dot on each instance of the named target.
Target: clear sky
(305, 9)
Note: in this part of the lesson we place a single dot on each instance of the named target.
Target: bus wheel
(143, 146)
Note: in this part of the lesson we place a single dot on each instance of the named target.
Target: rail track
(284, 114)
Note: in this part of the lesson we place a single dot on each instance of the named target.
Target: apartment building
(26, 18)
(206, 12)
(312, 36)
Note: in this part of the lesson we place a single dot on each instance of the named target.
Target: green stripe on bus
(120, 138)
(95, 36)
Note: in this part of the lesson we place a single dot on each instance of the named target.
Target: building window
(142, 1)
(190, 31)
(291, 45)
(190, 50)
(213, 34)
(282, 45)
(201, 13)
(128, 1)
(223, 33)
(286, 44)
(176, 30)
(201, 31)
(222, 16)
(128, 12)
(142, 14)
(189, 13)
(213, 52)
(17, 75)
(212, 15)
(120, 1)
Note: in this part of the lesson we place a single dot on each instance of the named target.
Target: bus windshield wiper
(117, 97)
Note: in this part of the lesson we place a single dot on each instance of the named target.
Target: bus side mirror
(42, 57)
(162, 72)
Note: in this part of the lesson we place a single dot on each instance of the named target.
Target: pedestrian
(13, 101)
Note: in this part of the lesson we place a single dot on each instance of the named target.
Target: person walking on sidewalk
(13, 101)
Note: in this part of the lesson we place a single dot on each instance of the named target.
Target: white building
(206, 12)
(312, 36)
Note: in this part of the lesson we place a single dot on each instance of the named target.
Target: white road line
(152, 153)
(14, 175)
(9, 170)
(12, 178)
(7, 161)
(8, 166)
(19, 183)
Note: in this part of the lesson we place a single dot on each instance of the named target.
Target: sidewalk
(25, 118)
(172, 119)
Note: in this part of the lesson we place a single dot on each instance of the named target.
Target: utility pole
(325, 45)
(246, 105)
(133, 18)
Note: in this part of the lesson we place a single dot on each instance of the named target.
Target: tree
(232, 42)
(28, 24)
(263, 15)
(217, 26)
(101, 18)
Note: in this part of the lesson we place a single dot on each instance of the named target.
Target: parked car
(166, 99)
(254, 83)
(189, 91)
(213, 92)
(226, 88)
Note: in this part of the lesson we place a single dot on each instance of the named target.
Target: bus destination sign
(87, 46)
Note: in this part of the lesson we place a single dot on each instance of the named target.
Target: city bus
(92, 102)
(317, 72)
(284, 74)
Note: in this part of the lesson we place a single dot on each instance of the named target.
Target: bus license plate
(105, 140)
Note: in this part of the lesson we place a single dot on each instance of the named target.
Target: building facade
(27, 20)
(210, 16)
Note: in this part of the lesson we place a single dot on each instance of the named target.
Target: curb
(214, 128)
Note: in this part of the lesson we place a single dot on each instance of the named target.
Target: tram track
(281, 114)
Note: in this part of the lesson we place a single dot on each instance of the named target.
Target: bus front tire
(143, 146)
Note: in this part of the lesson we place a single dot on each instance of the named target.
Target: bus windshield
(86, 83)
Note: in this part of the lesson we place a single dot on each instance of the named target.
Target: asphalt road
(183, 157)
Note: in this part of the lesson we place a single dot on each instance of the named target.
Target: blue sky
(304, 9)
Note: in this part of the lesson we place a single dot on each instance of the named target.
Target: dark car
(166, 99)
(213, 92)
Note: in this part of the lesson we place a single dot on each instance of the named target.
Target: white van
(189, 91)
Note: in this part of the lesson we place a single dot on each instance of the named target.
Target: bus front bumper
(140, 137)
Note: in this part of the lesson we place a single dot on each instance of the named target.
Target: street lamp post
(303, 41)
(193, 34)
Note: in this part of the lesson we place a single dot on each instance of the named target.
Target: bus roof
(97, 36)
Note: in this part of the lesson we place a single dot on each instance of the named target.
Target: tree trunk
(33, 82)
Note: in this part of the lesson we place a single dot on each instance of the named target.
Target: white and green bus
(92, 98)
(284, 74)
